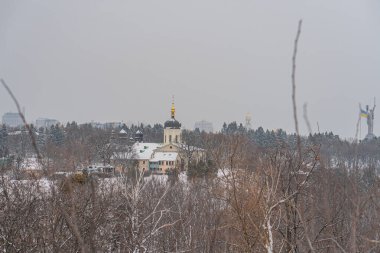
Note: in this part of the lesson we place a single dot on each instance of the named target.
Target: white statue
(370, 115)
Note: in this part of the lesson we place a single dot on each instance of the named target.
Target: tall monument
(248, 119)
(370, 115)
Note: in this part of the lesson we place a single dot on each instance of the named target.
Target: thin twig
(305, 228)
(294, 86)
(30, 131)
(357, 129)
(306, 118)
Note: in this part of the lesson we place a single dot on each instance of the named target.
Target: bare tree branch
(294, 86)
(30, 130)
(306, 118)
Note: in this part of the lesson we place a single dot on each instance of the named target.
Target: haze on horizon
(123, 60)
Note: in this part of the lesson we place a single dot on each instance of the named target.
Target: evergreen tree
(259, 137)
(232, 128)
(224, 128)
(241, 129)
(41, 137)
(56, 135)
(3, 141)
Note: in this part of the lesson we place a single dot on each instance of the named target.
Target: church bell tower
(172, 128)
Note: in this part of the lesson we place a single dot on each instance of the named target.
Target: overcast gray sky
(123, 60)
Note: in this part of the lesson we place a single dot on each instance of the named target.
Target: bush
(79, 178)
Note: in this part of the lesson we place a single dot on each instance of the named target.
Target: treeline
(72, 145)
(84, 144)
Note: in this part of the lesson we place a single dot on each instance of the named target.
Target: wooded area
(257, 193)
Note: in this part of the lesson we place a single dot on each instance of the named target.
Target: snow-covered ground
(30, 164)
(45, 185)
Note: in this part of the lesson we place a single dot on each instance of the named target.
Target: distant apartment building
(111, 125)
(46, 123)
(12, 119)
(107, 125)
(204, 126)
(97, 125)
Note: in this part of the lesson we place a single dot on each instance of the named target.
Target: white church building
(167, 156)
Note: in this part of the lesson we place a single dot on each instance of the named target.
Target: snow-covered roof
(188, 147)
(15, 133)
(144, 151)
(122, 155)
(122, 131)
(164, 156)
(31, 164)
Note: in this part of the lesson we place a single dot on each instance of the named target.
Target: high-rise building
(12, 119)
(45, 123)
(204, 126)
